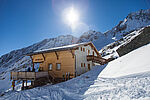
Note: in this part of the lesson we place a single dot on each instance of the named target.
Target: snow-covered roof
(62, 48)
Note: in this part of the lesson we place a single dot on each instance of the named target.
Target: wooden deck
(96, 59)
(27, 75)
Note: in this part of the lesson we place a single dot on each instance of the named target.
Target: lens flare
(71, 17)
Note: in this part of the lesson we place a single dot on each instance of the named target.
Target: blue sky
(24, 22)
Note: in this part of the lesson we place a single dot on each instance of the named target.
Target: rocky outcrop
(142, 39)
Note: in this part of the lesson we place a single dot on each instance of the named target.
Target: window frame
(81, 64)
(57, 67)
(84, 64)
(51, 68)
(81, 48)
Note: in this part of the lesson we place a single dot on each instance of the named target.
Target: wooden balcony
(96, 59)
(27, 75)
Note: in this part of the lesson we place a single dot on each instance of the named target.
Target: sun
(71, 17)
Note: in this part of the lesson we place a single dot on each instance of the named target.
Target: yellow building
(61, 63)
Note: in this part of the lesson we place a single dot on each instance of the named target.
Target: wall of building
(81, 57)
(65, 58)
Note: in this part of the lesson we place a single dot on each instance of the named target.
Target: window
(81, 64)
(84, 64)
(88, 52)
(58, 66)
(89, 67)
(81, 48)
(50, 66)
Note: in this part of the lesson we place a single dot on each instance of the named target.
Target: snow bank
(137, 61)
(73, 89)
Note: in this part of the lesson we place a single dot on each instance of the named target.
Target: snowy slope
(136, 61)
(98, 83)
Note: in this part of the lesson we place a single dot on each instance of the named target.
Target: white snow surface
(136, 61)
(101, 83)
(63, 47)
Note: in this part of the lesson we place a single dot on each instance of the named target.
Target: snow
(109, 51)
(62, 47)
(136, 61)
(126, 78)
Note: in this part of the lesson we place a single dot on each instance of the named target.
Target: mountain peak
(132, 22)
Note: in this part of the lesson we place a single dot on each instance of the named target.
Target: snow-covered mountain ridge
(133, 22)
(127, 44)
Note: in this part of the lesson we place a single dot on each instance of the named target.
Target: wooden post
(72, 54)
(23, 85)
(32, 64)
(43, 56)
(33, 67)
(68, 76)
(32, 83)
(13, 84)
(26, 82)
(56, 55)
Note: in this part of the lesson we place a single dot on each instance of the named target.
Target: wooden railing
(52, 74)
(96, 59)
(27, 75)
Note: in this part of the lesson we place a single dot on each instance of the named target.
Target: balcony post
(13, 84)
(26, 82)
(22, 85)
(32, 64)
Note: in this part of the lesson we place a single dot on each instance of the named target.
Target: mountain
(99, 39)
(141, 38)
(133, 22)
(127, 44)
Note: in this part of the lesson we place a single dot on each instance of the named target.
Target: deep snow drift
(136, 61)
(93, 85)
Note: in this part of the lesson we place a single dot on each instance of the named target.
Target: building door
(89, 67)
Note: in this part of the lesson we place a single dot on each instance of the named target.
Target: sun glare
(71, 17)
